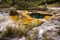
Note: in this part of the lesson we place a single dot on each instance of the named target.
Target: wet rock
(49, 29)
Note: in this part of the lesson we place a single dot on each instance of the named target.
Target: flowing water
(5, 21)
(48, 25)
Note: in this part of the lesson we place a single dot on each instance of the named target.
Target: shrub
(13, 12)
(4, 6)
(14, 32)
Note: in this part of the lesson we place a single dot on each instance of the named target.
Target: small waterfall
(48, 25)
(5, 21)
(44, 27)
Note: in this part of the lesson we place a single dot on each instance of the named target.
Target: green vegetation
(25, 4)
(13, 12)
(14, 32)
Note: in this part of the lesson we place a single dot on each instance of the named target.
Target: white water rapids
(6, 21)
(48, 25)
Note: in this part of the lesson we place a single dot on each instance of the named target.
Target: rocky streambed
(49, 30)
